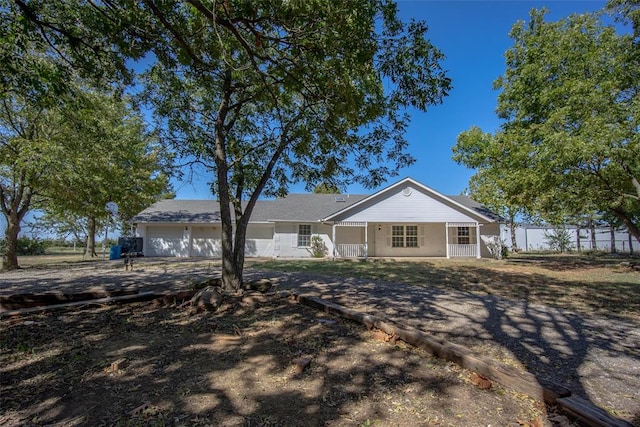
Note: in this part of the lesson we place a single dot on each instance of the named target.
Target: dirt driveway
(597, 358)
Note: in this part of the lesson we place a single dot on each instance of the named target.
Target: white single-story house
(406, 219)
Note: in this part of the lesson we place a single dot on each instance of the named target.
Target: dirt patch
(265, 363)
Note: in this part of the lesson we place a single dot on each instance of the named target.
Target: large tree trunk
(91, 238)
(633, 228)
(578, 242)
(231, 275)
(10, 253)
(592, 228)
(14, 206)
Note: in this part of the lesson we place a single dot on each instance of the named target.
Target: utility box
(115, 252)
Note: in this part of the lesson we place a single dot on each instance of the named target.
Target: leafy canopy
(570, 102)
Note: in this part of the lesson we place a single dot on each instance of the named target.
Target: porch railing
(351, 250)
(463, 250)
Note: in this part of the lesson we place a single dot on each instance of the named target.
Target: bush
(28, 246)
(318, 249)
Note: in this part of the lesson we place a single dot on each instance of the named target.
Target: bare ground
(139, 364)
(238, 366)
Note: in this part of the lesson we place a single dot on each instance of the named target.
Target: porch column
(446, 235)
(333, 229)
(478, 240)
(366, 240)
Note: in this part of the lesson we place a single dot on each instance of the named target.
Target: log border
(508, 376)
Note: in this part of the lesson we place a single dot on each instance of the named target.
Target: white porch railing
(463, 250)
(351, 250)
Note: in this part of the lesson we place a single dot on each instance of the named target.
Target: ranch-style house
(406, 219)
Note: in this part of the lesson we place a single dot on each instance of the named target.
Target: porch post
(446, 234)
(478, 240)
(366, 240)
(333, 228)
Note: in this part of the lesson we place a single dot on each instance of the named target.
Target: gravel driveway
(597, 358)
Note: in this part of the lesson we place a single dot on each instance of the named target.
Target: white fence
(351, 250)
(532, 238)
(463, 251)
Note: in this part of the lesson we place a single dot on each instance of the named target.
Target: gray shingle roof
(294, 207)
(477, 207)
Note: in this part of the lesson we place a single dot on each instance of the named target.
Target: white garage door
(166, 241)
(206, 242)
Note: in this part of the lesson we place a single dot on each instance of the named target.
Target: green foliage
(264, 94)
(27, 246)
(108, 156)
(559, 240)
(317, 247)
(326, 188)
(569, 145)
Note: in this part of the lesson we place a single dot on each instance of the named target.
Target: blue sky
(473, 35)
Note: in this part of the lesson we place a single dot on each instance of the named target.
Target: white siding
(259, 241)
(206, 241)
(417, 207)
(488, 230)
(431, 242)
(166, 241)
(286, 237)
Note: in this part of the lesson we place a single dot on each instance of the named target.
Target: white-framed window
(304, 235)
(411, 236)
(397, 236)
(404, 236)
(463, 236)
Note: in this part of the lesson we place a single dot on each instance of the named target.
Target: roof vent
(407, 191)
(340, 199)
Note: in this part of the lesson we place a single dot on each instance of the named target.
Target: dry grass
(588, 285)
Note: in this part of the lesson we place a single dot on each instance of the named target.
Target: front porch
(364, 239)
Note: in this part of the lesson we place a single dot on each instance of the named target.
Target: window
(404, 236)
(411, 236)
(397, 236)
(463, 236)
(304, 235)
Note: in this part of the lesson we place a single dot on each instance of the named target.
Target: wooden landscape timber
(486, 369)
(589, 414)
(508, 376)
(142, 296)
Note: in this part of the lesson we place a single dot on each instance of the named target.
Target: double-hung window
(404, 236)
(304, 235)
(463, 236)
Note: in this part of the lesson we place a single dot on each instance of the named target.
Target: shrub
(559, 240)
(28, 246)
(318, 249)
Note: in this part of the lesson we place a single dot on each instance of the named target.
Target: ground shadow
(139, 364)
(598, 358)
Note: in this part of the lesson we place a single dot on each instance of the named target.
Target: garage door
(166, 241)
(206, 242)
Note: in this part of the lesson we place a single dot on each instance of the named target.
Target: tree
(488, 186)
(107, 156)
(26, 153)
(326, 188)
(570, 102)
(268, 93)
(559, 239)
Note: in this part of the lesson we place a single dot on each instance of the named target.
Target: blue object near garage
(116, 251)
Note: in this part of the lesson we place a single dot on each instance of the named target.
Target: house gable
(408, 201)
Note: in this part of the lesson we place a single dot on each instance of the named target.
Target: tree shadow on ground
(597, 358)
(144, 365)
